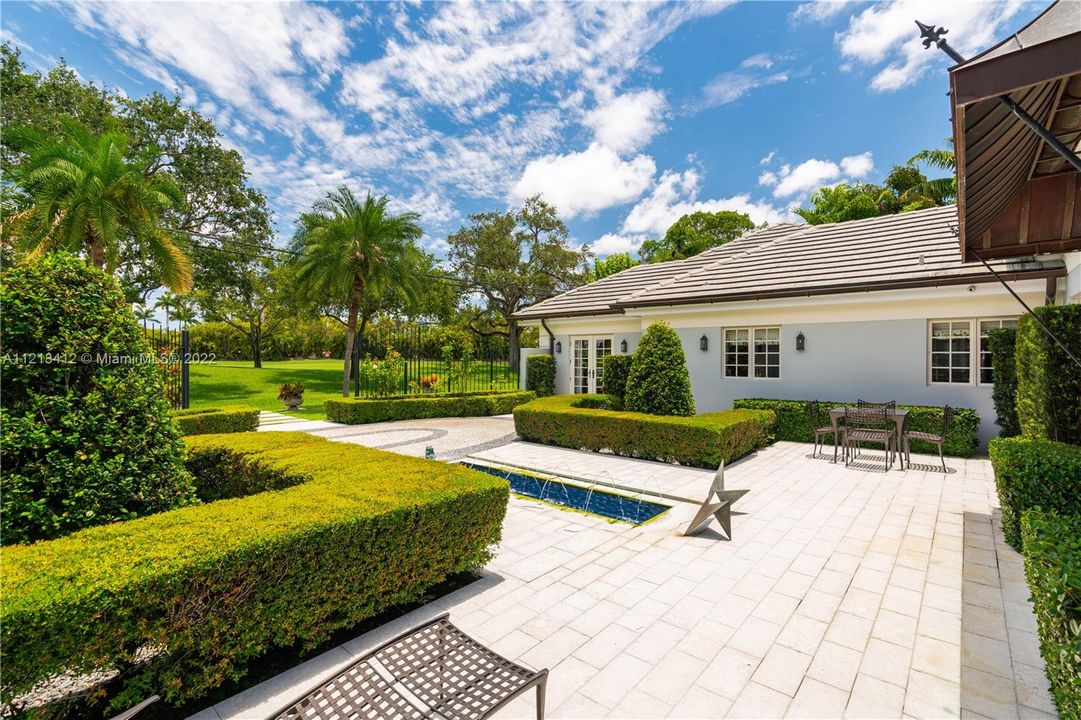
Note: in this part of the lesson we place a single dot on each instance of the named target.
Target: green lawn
(236, 382)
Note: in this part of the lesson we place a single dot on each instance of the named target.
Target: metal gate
(172, 351)
(419, 358)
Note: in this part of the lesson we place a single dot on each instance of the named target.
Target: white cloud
(819, 10)
(676, 194)
(754, 72)
(768, 158)
(585, 182)
(612, 243)
(886, 33)
(629, 121)
(787, 181)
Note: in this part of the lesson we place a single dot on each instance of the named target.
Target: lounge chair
(432, 671)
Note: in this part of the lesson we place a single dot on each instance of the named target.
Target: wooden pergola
(1016, 195)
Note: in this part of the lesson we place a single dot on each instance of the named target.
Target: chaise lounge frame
(431, 671)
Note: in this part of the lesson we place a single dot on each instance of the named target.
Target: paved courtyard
(844, 593)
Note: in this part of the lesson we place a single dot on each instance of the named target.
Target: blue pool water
(606, 504)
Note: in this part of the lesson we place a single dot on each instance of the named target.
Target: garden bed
(587, 422)
(204, 590)
(793, 423)
(411, 407)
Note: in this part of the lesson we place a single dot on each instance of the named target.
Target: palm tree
(167, 302)
(83, 193)
(143, 314)
(345, 246)
(940, 191)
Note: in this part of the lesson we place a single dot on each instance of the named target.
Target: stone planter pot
(293, 401)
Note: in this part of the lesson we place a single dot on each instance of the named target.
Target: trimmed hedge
(1034, 474)
(617, 368)
(659, 382)
(587, 422)
(1048, 381)
(220, 473)
(1053, 570)
(793, 423)
(411, 407)
(1003, 346)
(217, 420)
(540, 374)
(214, 586)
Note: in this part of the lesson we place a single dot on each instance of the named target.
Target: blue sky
(624, 116)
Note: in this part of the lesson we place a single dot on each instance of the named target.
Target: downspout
(551, 338)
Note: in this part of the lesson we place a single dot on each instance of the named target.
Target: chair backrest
(888, 405)
(867, 418)
(947, 418)
(814, 412)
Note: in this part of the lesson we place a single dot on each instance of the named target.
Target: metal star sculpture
(720, 509)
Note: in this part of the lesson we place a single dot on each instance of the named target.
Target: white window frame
(979, 338)
(974, 366)
(751, 365)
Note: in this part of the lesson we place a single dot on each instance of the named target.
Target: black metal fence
(172, 349)
(417, 358)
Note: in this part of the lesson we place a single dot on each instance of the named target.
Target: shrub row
(587, 422)
(793, 423)
(1048, 381)
(410, 407)
(217, 420)
(219, 473)
(540, 374)
(1053, 569)
(1034, 474)
(208, 588)
(1003, 345)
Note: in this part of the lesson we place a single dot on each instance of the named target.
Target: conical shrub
(659, 383)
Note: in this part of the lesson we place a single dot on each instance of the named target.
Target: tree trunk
(257, 347)
(97, 255)
(513, 342)
(351, 331)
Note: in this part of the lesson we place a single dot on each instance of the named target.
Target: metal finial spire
(931, 34)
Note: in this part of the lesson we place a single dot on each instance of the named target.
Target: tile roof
(915, 249)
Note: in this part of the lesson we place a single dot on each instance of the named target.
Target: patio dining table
(896, 415)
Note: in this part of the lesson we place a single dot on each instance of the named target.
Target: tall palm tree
(346, 245)
(83, 193)
(143, 314)
(168, 303)
(940, 191)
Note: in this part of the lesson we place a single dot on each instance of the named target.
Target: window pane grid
(986, 372)
(951, 353)
(752, 352)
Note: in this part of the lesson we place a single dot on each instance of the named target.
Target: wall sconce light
(801, 342)
(559, 347)
(623, 346)
(704, 343)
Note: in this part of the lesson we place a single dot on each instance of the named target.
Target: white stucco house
(879, 309)
(887, 308)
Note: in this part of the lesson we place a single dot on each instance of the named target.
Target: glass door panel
(602, 348)
(580, 366)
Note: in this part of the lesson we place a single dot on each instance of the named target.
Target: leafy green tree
(84, 194)
(614, 263)
(658, 382)
(345, 246)
(940, 191)
(841, 203)
(695, 233)
(250, 303)
(514, 259)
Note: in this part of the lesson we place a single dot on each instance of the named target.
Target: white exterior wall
(873, 346)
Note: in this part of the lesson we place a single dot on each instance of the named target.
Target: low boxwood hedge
(1032, 473)
(410, 407)
(195, 594)
(217, 420)
(1053, 570)
(587, 422)
(794, 424)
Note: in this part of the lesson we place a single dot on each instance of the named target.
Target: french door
(587, 362)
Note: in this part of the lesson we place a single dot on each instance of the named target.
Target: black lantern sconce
(704, 343)
(623, 346)
(559, 347)
(801, 342)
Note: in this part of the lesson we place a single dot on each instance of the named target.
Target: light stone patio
(845, 593)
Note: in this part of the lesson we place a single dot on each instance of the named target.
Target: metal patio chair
(869, 425)
(432, 671)
(867, 405)
(939, 440)
(822, 428)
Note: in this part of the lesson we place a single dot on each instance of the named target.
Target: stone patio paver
(844, 591)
